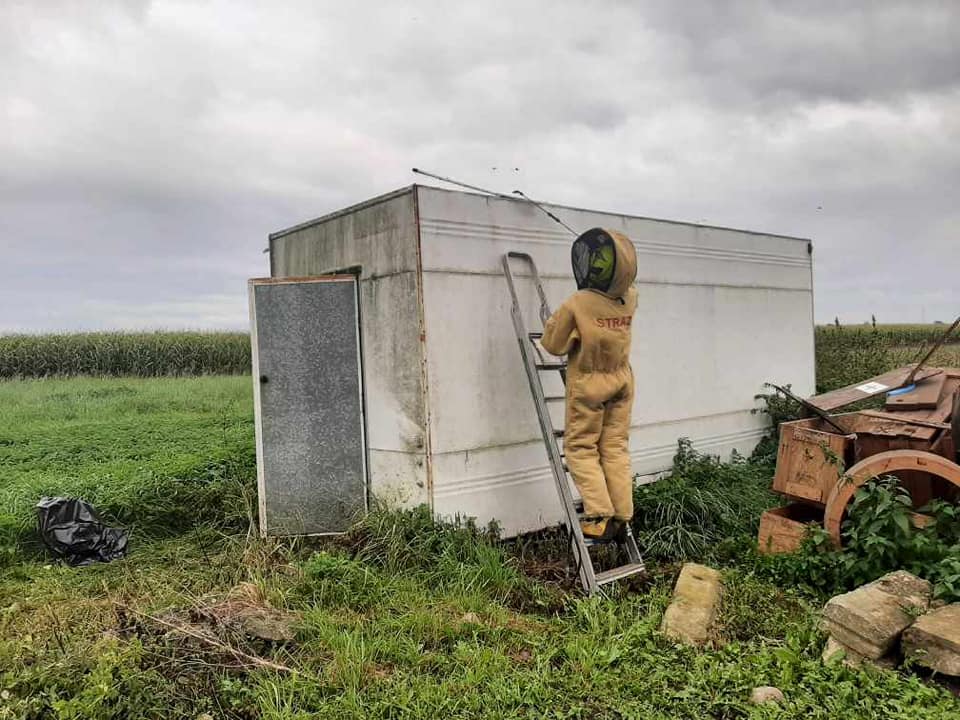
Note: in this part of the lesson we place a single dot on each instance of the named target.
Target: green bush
(878, 537)
(703, 501)
(107, 354)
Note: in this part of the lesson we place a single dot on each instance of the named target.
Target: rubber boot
(594, 528)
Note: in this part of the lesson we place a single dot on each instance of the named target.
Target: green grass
(132, 354)
(160, 455)
(400, 618)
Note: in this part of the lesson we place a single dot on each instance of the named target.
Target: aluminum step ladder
(535, 363)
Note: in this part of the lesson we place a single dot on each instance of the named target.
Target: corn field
(104, 354)
(850, 354)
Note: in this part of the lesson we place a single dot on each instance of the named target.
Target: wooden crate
(809, 460)
(782, 529)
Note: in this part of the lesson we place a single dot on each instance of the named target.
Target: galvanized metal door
(311, 455)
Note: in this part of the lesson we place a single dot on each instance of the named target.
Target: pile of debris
(891, 620)
(824, 458)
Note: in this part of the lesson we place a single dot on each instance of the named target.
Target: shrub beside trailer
(386, 368)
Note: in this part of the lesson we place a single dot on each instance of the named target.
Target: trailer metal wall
(720, 311)
(449, 412)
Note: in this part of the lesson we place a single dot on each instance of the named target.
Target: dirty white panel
(721, 311)
(513, 483)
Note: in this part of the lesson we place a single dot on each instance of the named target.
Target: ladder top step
(535, 335)
(609, 576)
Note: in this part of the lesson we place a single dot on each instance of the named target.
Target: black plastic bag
(74, 532)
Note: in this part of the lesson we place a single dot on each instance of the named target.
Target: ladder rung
(535, 336)
(609, 576)
(551, 366)
(554, 398)
(597, 542)
(558, 433)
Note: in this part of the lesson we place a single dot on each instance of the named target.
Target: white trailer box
(449, 416)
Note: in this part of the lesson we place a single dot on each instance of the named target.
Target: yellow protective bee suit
(593, 329)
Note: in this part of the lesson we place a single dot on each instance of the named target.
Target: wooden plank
(924, 396)
(944, 410)
(869, 388)
(871, 422)
(892, 424)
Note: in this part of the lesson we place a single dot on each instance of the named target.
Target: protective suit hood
(605, 261)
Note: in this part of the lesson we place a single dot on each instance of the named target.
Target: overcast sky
(148, 148)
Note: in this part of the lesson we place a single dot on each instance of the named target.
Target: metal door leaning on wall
(308, 403)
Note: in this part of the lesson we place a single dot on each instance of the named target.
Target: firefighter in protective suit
(593, 329)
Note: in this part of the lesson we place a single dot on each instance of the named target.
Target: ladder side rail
(587, 575)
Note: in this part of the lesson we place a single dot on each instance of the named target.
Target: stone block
(933, 641)
(853, 659)
(692, 614)
(869, 620)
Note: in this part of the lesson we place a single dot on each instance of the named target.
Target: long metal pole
(494, 193)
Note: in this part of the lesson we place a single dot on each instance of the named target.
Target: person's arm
(560, 334)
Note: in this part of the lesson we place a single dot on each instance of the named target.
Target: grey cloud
(787, 52)
(148, 148)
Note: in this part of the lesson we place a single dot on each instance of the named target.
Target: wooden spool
(884, 463)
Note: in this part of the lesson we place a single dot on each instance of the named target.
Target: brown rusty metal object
(885, 463)
(823, 415)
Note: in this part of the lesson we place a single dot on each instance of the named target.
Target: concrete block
(869, 620)
(853, 659)
(692, 614)
(934, 640)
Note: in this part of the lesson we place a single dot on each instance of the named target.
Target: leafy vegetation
(114, 354)
(703, 503)
(879, 537)
(383, 634)
(403, 616)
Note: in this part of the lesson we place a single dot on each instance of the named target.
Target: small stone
(5, 695)
(270, 625)
(933, 641)
(869, 620)
(692, 614)
(204, 716)
(471, 618)
(766, 694)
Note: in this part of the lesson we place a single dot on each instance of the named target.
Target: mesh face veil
(594, 260)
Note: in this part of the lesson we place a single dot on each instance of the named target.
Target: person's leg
(614, 448)
(584, 424)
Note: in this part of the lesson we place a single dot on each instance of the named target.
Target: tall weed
(701, 503)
